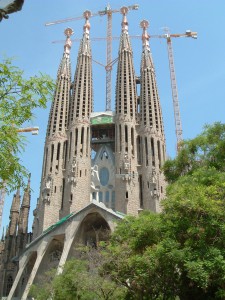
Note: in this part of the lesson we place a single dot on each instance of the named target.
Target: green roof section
(102, 120)
(61, 221)
(120, 213)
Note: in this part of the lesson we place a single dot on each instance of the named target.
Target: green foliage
(19, 97)
(81, 280)
(207, 149)
(181, 251)
(185, 253)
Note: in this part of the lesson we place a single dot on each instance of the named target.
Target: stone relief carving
(154, 191)
(47, 189)
(72, 175)
(126, 163)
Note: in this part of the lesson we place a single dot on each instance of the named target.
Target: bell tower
(52, 181)
(127, 189)
(151, 139)
(78, 174)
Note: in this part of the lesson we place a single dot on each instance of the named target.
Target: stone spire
(59, 110)
(51, 193)
(151, 142)
(24, 210)
(14, 213)
(126, 87)
(127, 189)
(82, 98)
(150, 107)
(77, 185)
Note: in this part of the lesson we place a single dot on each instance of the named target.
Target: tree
(207, 149)
(181, 251)
(19, 97)
(81, 279)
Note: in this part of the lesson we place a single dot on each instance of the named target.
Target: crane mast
(176, 108)
(108, 67)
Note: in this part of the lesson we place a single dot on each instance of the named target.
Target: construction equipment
(178, 124)
(34, 131)
(109, 63)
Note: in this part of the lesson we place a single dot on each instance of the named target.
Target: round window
(104, 176)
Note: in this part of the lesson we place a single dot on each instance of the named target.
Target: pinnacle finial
(26, 196)
(28, 183)
(144, 24)
(124, 11)
(145, 36)
(68, 32)
(87, 25)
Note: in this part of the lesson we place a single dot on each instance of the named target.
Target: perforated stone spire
(49, 202)
(127, 187)
(126, 85)
(81, 101)
(14, 213)
(77, 184)
(151, 114)
(24, 210)
(124, 38)
(59, 110)
(151, 140)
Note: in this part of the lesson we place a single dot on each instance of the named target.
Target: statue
(48, 182)
(126, 162)
(74, 165)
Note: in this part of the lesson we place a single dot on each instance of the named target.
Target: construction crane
(34, 131)
(176, 108)
(109, 63)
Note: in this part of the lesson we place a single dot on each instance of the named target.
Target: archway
(92, 230)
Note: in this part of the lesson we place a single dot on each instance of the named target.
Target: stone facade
(15, 240)
(97, 167)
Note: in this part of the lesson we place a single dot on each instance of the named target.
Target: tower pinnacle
(78, 174)
(145, 36)
(51, 192)
(87, 24)
(68, 32)
(24, 210)
(151, 131)
(124, 23)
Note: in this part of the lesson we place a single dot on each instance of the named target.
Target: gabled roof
(90, 206)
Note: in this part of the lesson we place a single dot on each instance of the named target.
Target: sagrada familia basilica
(97, 166)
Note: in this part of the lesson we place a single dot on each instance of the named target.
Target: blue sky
(199, 64)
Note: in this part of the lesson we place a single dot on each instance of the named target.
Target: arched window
(9, 284)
